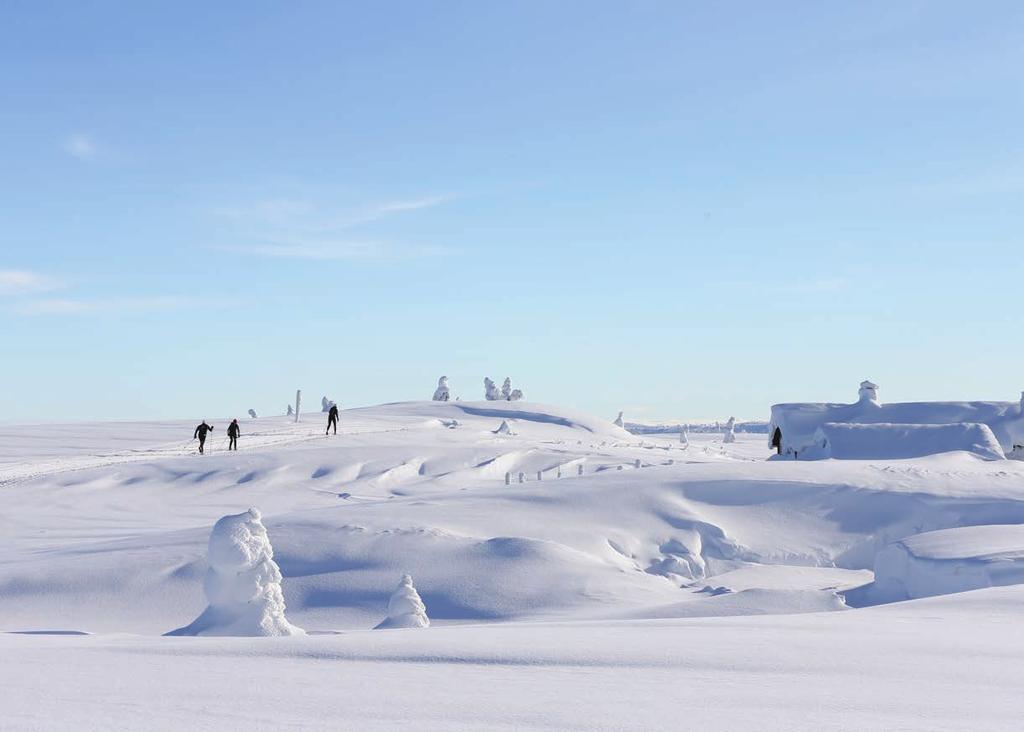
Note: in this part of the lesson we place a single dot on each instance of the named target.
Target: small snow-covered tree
(405, 608)
(730, 430)
(505, 429)
(242, 584)
(515, 396)
(618, 420)
(252, 413)
(441, 393)
(506, 389)
(491, 392)
(290, 410)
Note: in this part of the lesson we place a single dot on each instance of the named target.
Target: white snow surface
(711, 587)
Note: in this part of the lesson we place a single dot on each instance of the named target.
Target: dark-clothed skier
(233, 432)
(200, 432)
(332, 419)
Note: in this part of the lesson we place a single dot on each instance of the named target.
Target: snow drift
(242, 584)
(950, 560)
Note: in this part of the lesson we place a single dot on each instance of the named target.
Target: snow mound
(950, 560)
(242, 584)
(900, 441)
(405, 608)
(504, 429)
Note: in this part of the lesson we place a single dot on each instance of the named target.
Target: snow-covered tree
(243, 582)
(618, 420)
(683, 439)
(515, 396)
(504, 429)
(252, 413)
(506, 389)
(405, 608)
(441, 393)
(491, 392)
(730, 430)
(326, 404)
(291, 411)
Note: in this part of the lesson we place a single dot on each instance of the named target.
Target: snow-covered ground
(667, 587)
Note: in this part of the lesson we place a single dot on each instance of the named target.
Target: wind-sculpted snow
(120, 546)
(950, 560)
(735, 582)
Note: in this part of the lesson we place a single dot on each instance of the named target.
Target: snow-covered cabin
(796, 429)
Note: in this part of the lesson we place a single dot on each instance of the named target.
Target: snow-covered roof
(901, 441)
(798, 421)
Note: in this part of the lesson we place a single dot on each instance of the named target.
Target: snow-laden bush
(515, 396)
(242, 584)
(491, 392)
(441, 393)
(405, 608)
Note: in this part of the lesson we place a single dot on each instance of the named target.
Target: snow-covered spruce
(491, 392)
(730, 430)
(441, 393)
(242, 584)
(506, 389)
(515, 396)
(504, 429)
(405, 608)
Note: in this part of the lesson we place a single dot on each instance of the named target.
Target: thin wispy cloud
(335, 250)
(23, 282)
(114, 305)
(302, 228)
(80, 146)
(305, 215)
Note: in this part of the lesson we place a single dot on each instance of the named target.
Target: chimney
(868, 392)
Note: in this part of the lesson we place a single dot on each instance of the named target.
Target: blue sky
(679, 209)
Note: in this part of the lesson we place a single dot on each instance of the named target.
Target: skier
(200, 432)
(332, 419)
(233, 432)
